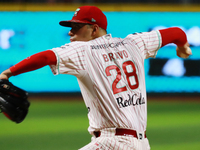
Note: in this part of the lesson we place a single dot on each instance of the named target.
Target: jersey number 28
(128, 75)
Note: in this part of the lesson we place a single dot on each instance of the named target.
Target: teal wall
(25, 33)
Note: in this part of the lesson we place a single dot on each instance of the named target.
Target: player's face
(80, 32)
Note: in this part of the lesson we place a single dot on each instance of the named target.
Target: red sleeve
(34, 62)
(173, 35)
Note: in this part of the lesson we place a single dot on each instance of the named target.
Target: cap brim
(65, 23)
(68, 22)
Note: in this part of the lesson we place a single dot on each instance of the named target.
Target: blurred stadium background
(58, 118)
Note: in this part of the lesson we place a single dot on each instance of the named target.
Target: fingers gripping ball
(13, 101)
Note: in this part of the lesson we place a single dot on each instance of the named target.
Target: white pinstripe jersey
(110, 73)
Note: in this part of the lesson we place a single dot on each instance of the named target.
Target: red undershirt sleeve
(173, 35)
(170, 35)
(34, 62)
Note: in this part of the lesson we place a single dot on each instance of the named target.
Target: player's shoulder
(75, 44)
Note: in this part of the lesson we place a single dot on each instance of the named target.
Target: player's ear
(95, 29)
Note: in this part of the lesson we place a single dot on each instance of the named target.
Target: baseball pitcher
(110, 73)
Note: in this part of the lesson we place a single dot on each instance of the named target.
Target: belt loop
(141, 135)
(97, 133)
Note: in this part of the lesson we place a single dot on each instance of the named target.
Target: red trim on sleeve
(173, 35)
(34, 62)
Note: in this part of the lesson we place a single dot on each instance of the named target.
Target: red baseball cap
(87, 14)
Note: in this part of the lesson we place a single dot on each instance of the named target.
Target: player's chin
(72, 40)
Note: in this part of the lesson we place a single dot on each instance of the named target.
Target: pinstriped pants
(109, 141)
